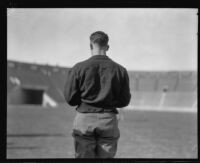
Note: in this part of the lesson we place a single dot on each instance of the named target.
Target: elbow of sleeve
(68, 100)
(73, 101)
(128, 99)
(125, 101)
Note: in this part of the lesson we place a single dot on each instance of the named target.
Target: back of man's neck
(99, 53)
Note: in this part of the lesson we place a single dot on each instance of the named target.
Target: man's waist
(95, 108)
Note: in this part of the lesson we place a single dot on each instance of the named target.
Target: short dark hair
(100, 38)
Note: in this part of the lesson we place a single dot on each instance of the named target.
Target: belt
(94, 108)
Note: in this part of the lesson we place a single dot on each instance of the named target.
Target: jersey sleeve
(125, 94)
(71, 89)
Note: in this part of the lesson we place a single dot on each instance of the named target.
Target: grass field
(34, 132)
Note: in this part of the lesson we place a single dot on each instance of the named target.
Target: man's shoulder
(88, 62)
(80, 65)
(119, 66)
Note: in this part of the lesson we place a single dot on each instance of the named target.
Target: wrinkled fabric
(97, 84)
(95, 135)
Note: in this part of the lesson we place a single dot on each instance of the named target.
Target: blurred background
(158, 47)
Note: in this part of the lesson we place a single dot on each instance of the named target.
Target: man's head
(99, 41)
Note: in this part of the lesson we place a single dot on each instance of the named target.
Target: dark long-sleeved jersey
(97, 84)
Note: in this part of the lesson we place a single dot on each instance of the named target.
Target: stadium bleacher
(134, 83)
(167, 80)
(145, 98)
(147, 83)
(186, 84)
(180, 99)
(146, 87)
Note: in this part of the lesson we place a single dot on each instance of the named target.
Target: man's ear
(91, 46)
(107, 47)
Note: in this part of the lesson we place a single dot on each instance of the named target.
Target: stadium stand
(147, 83)
(169, 80)
(134, 81)
(29, 77)
(177, 89)
(140, 98)
(187, 82)
(180, 99)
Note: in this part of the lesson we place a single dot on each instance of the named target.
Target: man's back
(99, 84)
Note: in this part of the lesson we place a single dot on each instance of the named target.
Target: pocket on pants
(116, 132)
(84, 124)
(108, 126)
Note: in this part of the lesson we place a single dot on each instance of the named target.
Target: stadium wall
(149, 89)
(26, 96)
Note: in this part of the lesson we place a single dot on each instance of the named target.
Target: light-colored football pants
(95, 135)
